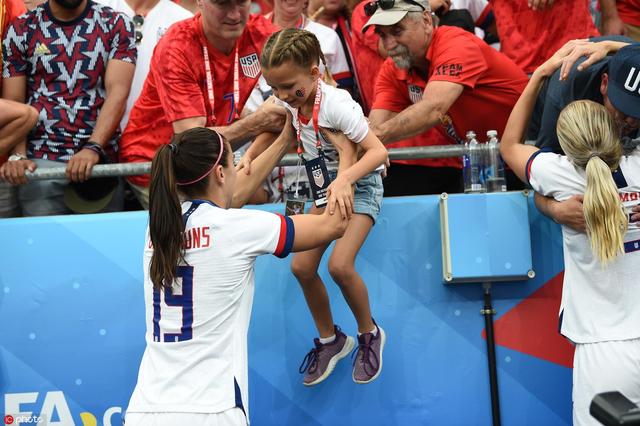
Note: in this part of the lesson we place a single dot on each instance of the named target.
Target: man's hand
(81, 164)
(13, 171)
(613, 25)
(440, 7)
(272, 116)
(570, 213)
(635, 213)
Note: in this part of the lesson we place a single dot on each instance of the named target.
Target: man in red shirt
(202, 73)
(441, 76)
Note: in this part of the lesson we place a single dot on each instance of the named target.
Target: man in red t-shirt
(202, 73)
(444, 77)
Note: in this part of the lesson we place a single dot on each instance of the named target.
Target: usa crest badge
(415, 93)
(318, 180)
(250, 65)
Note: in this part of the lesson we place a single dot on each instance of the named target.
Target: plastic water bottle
(494, 171)
(473, 177)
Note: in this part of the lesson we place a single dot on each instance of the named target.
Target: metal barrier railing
(132, 169)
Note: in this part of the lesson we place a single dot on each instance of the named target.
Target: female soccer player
(199, 279)
(600, 298)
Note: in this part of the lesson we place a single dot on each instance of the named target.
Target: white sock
(374, 331)
(325, 340)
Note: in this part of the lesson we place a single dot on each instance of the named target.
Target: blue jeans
(367, 195)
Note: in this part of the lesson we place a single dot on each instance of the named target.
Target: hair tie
(210, 169)
(173, 148)
(593, 154)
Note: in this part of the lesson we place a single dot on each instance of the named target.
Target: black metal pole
(488, 313)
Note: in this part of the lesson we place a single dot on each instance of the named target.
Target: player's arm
(247, 184)
(313, 231)
(418, 118)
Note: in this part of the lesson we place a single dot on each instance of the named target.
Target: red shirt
(176, 86)
(492, 83)
(530, 37)
(629, 11)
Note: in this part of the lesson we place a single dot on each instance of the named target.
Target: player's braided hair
(300, 47)
(186, 159)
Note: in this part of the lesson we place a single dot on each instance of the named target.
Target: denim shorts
(368, 194)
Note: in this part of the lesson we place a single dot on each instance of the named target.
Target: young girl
(198, 279)
(290, 60)
(600, 298)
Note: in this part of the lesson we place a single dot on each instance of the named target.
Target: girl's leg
(343, 271)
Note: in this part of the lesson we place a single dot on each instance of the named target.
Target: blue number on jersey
(184, 300)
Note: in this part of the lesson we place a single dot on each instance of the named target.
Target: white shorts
(604, 367)
(232, 417)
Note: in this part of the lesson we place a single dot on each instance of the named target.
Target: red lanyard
(236, 84)
(316, 113)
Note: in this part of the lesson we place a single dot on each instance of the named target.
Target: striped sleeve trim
(287, 234)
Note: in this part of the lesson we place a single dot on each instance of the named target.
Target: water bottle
(494, 172)
(473, 176)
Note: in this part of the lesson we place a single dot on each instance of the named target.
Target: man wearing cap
(614, 81)
(444, 76)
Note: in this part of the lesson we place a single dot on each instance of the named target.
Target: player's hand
(340, 193)
(594, 52)
(244, 164)
(540, 4)
(635, 213)
(13, 172)
(570, 213)
(557, 60)
(272, 116)
(81, 164)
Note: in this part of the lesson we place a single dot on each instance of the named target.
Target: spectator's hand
(272, 116)
(81, 164)
(613, 25)
(540, 4)
(570, 213)
(440, 7)
(635, 213)
(557, 59)
(244, 164)
(13, 172)
(340, 192)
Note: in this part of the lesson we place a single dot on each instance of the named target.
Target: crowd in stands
(88, 82)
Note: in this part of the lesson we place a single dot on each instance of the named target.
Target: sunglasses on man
(138, 22)
(370, 8)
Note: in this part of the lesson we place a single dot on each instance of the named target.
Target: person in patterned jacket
(73, 61)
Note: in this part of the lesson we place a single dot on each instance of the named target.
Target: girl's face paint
(301, 92)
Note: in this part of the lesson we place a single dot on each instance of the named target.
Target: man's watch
(16, 157)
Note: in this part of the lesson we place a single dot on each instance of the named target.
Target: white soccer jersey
(337, 111)
(598, 304)
(156, 23)
(196, 355)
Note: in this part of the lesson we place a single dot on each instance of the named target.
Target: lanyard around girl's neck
(209, 78)
(314, 119)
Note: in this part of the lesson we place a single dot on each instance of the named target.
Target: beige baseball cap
(390, 12)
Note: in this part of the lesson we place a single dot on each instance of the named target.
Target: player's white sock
(374, 331)
(325, 340)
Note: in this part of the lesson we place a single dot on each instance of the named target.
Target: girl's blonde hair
(589, 137)
(297, 46)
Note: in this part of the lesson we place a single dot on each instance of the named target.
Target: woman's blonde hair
(589, 137)
(300, 47)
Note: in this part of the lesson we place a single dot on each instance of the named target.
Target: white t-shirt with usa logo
(196, 355)
(598, 304)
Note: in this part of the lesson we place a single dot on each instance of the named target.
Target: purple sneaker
(367, 364)
(322, 359)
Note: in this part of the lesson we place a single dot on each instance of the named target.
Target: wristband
(16, 157)
(95, 147)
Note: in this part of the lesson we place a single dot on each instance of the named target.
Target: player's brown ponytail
(185, 163)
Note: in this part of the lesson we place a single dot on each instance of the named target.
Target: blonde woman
(600, 309)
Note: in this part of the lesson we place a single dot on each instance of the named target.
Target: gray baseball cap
(390, 12)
